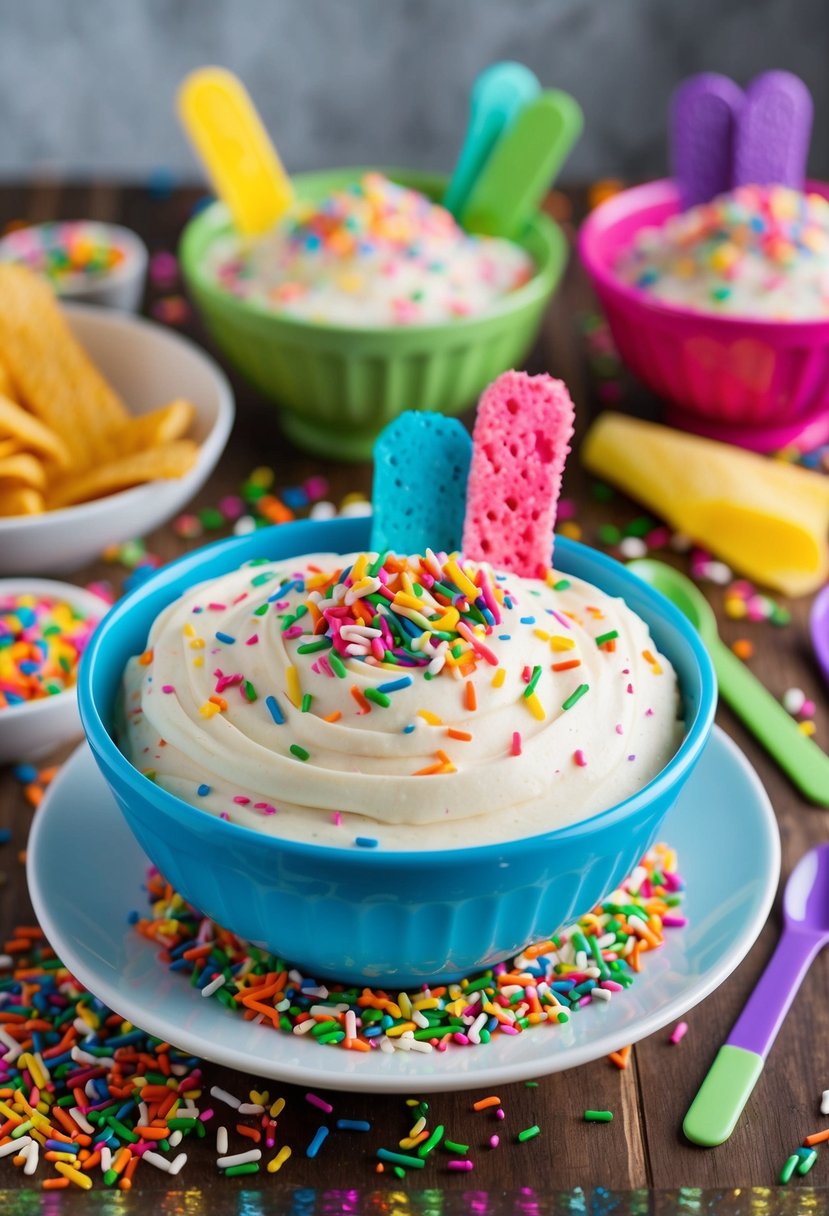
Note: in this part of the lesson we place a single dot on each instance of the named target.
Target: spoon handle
(713, 1114)
(801, 759)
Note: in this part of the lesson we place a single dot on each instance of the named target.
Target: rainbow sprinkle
(757, 251)
(432, 612)
(372, 252)
(66, 253)
(588, 962)
(41, 642)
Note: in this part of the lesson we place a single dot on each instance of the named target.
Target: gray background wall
(88, 85)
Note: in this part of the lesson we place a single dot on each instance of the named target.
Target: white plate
(85, 874)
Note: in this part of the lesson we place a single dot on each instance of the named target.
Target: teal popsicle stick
(497, 96)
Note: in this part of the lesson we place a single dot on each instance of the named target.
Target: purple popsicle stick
(705, 112)
(773, 132)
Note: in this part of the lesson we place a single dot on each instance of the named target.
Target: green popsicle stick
(522, 165)
(497, 96)
(713, 1114)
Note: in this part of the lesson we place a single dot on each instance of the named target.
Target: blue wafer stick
(421, 464)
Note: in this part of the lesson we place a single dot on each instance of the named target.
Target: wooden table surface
(640, 1162)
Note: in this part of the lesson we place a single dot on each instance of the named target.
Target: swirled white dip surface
(411, 703)
(371, 254)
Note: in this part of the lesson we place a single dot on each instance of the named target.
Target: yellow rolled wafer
(235, 149)
(767, 519)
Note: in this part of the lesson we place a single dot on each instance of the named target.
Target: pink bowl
(762, 384)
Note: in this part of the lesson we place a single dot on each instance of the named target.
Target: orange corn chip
(154, 429)
(6, 386)
(31, 432)
(54, 376)
(169, 460)
(20, 500)
(23, 467)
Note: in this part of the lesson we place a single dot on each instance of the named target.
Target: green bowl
(337, 386)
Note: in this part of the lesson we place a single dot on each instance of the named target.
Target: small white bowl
(36, 728)
(122, 287)
(149, 366)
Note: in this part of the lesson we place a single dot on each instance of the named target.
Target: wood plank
(44, 199)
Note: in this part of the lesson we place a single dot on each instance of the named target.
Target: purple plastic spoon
(819, 629)
(705, 111)
(713, 1114)
(773, 132)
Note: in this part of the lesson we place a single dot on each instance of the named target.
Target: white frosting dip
(499, 764)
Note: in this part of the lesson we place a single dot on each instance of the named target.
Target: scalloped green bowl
(336, 386)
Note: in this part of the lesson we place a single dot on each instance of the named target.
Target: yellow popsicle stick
(235, 149)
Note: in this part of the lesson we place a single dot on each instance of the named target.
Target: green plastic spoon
(800, 759)
(522, 165)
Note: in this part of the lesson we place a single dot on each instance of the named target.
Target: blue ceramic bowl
(402, 918)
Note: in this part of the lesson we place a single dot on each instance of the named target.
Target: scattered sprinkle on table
(529, 1133)
(80, 1081)
(789, 1168)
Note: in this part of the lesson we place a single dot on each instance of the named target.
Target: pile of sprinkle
(432, 611)
(757, 251)
(372, 214)
(587, 963)
(87, 1097)
(744, 602)
(66, 253)
(41, 642)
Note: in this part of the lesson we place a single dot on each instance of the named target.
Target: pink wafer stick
(520, 442)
